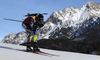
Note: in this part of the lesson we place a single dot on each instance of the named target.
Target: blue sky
(15, 9)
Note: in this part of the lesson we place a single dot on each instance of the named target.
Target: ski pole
(11, 20)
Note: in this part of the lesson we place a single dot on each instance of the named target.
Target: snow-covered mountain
(15, 38)
(71, 22)
(16, 52)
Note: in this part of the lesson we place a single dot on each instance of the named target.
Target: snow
(13, 52)
(74, 17)
(52, 27)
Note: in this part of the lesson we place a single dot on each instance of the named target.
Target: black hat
(40, 17)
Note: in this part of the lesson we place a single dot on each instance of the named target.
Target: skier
(31, 24)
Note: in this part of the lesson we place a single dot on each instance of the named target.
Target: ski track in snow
(15, 52)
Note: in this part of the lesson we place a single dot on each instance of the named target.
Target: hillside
(15, 52)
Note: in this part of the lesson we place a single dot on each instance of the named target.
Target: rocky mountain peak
(70, 20)
(15, 38)
(11, 35)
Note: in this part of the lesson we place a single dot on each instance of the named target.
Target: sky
(16, 9)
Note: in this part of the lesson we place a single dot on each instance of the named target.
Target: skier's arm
(40, 25)
(31, 22)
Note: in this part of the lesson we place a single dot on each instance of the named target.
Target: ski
(50, 54)
(43, 53)
(46, 54)
(39, 53)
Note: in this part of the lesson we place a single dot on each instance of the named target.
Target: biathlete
(31, 24)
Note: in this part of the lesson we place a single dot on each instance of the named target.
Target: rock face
(71, 22)
(15, 38)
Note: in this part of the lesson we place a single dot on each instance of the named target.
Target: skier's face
(41, 21)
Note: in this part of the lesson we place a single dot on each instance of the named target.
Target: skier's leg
(29, 36)
(35, 47)
(30, 33)
(28, 47)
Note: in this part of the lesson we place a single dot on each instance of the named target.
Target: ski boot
(35, 48)
(28, 48)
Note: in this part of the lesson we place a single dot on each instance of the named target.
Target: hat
(40, 17)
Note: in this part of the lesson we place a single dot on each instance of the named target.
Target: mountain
(73, 29)
(71, 22)
(15, 38)
(16, 52)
